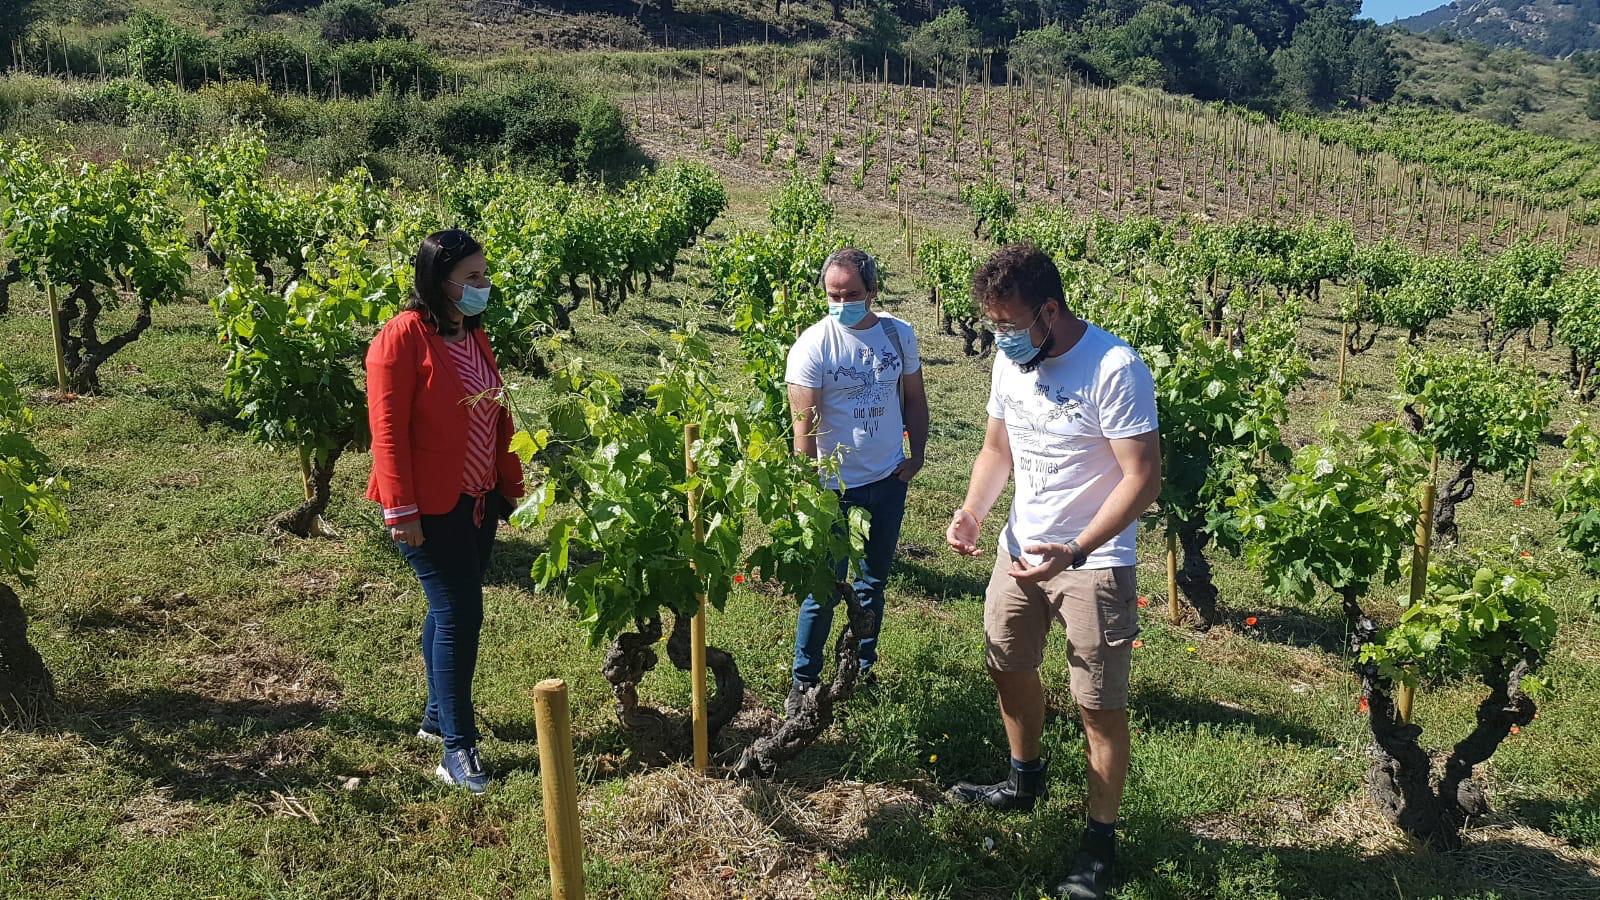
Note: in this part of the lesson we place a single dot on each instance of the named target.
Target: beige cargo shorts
(1098, 607)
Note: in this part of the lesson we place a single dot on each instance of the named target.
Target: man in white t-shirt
(856, 390)
(1072, 412)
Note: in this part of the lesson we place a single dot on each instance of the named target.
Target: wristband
(1078, 556)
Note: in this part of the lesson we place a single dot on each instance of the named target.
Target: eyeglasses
(1007, 329)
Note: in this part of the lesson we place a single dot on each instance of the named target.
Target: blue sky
(1382, 11)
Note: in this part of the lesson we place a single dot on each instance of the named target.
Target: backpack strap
(892, 331)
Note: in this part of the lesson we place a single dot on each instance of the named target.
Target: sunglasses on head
(451, 241)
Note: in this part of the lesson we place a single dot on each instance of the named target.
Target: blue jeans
(886, 502)
(451, 563)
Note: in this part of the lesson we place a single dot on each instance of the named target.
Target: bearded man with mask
(856, 391)
(1072, 412)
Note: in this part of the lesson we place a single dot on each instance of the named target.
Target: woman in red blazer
(444, 474)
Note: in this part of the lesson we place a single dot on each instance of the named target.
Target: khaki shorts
(1098, 607)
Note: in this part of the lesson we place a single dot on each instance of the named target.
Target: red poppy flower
(1516, 729)
(1526, 554)
(1517, 502)
(1137, 643)
(738, 579)
(1249, 621)
(1362, 705)
(1144, 601)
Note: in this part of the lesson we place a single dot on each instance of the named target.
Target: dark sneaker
(1018, 793)
(429, 731)
(1090, 878)
(791, 704)
(463, 768)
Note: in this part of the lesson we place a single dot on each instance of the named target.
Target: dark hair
(439, 254)
(854, 258)
(1022, 270)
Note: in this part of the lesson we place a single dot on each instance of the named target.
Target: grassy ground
(236, 705)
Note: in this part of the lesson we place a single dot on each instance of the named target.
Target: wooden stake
(1344, 349)
(697, 627)
(57, 337)
(305, 472)
(1527, 483)
(1173, 610)
(553, 719)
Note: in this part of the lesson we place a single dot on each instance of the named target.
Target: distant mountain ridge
(1549, 27)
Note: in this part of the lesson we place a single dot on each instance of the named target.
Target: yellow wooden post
(1173, 610)
(697, 627)
(1419, 566)
(553, 718)
(57, 337)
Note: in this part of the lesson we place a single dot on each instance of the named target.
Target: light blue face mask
(848, 313)
(1017, 343)
(1018, 346)
(474, 300)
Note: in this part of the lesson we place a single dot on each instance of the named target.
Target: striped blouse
(483, 387)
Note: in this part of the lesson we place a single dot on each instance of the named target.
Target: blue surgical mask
(1018, 346)
(848, 313)
(474, 300)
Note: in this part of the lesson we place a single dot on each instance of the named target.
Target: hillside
(1550, 27)
(1506, 86)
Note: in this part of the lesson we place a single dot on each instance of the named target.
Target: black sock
(1031, 766)
(1107, 830)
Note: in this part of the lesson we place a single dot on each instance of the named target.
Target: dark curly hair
(1022, 270)
(439, 254)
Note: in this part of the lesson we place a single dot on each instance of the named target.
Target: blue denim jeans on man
(885, 501)
(451, 564)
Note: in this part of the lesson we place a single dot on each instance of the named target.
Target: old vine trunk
(654, 737)
(1194, 579)
(306, 520)
(815, 711)
(1401, 779)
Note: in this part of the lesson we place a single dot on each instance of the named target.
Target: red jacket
(418, 414)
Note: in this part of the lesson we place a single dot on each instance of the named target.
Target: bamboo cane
(697, 627)
(553, 718)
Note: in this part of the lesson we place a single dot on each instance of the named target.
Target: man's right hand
(408, 533)
(962, 535)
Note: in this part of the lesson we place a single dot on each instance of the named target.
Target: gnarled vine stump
(1401, 779)
(655, 737)
(1194, 579)
(816, 708)
(306, 520)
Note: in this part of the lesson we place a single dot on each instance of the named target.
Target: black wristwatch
(1078, 556)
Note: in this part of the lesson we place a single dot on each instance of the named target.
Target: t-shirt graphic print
(858, 372)
(1061, 419)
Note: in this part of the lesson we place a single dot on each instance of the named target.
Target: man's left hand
(908, 468)
(1053, 559)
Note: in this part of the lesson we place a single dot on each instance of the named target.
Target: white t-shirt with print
(1061, 419)
(858, 372)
